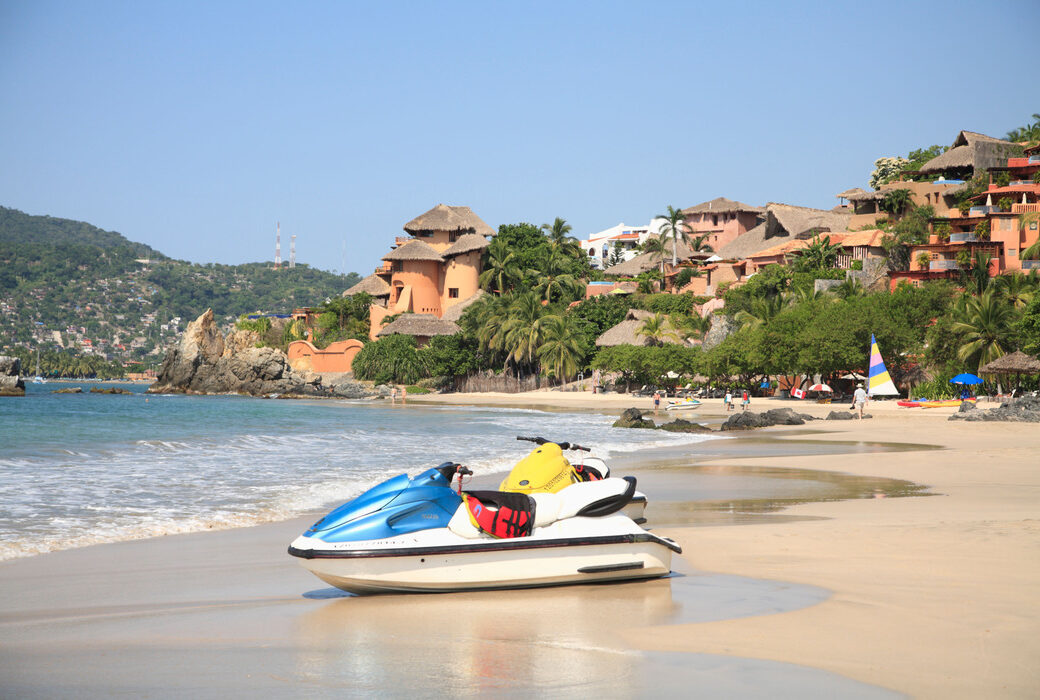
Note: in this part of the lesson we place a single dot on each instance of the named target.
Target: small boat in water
(418, 534)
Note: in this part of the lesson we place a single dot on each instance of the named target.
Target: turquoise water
(78, 469)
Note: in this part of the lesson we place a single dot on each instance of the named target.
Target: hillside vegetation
(68, 284)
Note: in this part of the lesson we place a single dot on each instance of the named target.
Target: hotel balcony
(1031, 264)
(963, 238)
(1025, 208)
(982, 211)
(943, 265)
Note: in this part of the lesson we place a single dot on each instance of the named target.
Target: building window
(1013, 252)
(453, 292)
(715, 220)
(398, 266)
(453, 236)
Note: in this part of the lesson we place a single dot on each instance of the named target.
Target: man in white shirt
(859, 399)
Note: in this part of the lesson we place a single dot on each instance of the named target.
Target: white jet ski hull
(575, 550)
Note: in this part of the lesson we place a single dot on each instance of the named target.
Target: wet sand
(932, 596)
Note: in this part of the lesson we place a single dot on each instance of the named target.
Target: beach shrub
(394, 359)
(667, 304)
(451, 355)
(416, 389)
(936, 388)
(260, 325)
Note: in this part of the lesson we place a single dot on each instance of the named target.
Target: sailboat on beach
(879, 382)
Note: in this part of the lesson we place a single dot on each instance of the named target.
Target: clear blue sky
(195, 126)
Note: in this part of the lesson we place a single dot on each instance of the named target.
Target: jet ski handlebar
(449, 469)
(562, 445)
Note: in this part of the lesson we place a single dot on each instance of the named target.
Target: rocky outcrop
(204, 362)
(844, 415)
(109, 390)
(748, 420)
(967, 406)
(68, 390)
(11, 383)
(721, 327)
(1021, 410)
(684, 426)
(633, 418)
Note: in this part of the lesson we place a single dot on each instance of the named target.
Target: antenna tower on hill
(292, 252)
(278, 245)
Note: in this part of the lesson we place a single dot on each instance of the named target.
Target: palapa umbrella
(966, 378)
(819, 387)
(1016, 363)
(853, 375)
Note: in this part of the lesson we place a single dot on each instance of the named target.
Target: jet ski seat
(587, 499)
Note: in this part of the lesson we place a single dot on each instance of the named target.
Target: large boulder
(1025, 409)
(11, 383)
(722, 326)
(748, 420)
(204, 362)
(684, 426)
(844, 415)
(633, 418)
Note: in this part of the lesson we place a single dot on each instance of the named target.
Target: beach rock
(109, 390)
(633, 418)
(747, 420)
(68, 390)
(1025, 409)
(11, 383)
(721, 327)
(967, 406)
(844, 415)
(684, 426)
(203, 362)
(356, 390)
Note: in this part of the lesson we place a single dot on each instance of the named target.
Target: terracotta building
(434, 269)
(721, 220)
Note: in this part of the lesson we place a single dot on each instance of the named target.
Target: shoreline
(927, 596)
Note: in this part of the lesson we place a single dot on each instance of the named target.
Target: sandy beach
(930, 596)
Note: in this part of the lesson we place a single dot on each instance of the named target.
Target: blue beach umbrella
(966, 378)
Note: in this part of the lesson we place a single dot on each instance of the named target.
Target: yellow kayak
(944, 404)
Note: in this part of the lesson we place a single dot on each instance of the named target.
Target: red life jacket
(500, 514)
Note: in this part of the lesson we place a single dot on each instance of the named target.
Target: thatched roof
(971, 150)
(784, 221)
(445, 218)
(414, 250)
(627, 332)
(721, 205)
(850, 193)
(870, 237)
(454, 313)
(648, 261)
(788, 246)
(864, 196)
(1014, 363)
(373, 285)
(465, 244)
(425, 325)
(802, 222)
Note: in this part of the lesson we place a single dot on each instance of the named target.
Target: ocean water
(80, 469)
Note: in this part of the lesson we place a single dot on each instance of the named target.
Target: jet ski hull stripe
(610, 567)
(477, 548)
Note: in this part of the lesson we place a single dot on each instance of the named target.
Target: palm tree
(983, 323)
(978, 275)
(699, 246)
(1017, 288)
(761, 311)
(522, 330)
(558, 238)
(895, 201)
(657, 330)
(676, 228)
(655, 246)
(820, 254)
(555, 278)
(500, 268)
(849, 288)
(560, 353)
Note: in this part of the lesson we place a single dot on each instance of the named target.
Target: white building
(600, 246)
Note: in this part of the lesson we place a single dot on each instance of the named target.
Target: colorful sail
(879, 382)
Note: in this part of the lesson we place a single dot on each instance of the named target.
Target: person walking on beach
(727, 400)
(859, 400)
(657, 401)
(745, 401)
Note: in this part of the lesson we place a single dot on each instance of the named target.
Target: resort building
(784, 222)
(721, 220)
(865, 207)
(436, 268)
(622, 238)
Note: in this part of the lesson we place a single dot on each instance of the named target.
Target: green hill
(69, 284)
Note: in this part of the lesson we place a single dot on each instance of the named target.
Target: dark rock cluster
(1025, 409)
(11, 383)
(633, 418)
(748, 420)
